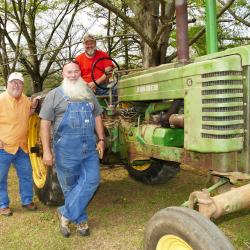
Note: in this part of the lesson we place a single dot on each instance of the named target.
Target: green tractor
(185, 113)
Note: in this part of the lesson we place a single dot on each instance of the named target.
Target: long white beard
(76, 89)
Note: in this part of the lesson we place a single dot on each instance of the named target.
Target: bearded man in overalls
(73, 113)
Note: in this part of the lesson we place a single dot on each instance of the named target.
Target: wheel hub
(172, 242)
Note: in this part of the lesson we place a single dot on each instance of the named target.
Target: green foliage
(230, 31)
(52, 82)
(126, 50)
(199, 47)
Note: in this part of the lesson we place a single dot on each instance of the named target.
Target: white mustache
(76, 89)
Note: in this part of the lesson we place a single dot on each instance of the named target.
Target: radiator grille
(222, 127)
(222, 73)
(222, 109)
(229, 86)
(230, 136)
(222, 100)
(222, 118)
(221, 91)
(222, 83)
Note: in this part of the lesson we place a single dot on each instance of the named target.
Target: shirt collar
(12, 99)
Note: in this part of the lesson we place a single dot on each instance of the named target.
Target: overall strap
(66, 98)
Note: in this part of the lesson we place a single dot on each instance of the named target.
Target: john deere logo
(147, 88)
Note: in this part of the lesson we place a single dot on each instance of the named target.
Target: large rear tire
(154, 171)
(51, 193)
(46, 184)
(183, 229)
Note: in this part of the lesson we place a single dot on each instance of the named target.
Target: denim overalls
(77, 162)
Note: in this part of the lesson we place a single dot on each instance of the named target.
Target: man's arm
(45, 128)
(101, 135)
(34, 104)
(102, 79)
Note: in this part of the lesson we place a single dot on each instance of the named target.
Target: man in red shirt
(88, 58)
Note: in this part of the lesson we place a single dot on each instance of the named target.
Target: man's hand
(48, 159)
(35, 101)
(34, 104)
(92, 86)
(100, 147)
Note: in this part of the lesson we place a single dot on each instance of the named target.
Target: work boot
(6, 211)
(30, 207)
(83, 229)
(63, 225)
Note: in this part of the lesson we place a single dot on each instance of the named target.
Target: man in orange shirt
(86, 61)
(15, 109)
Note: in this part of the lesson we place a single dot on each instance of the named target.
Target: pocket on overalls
(75, 119)
(88, 119)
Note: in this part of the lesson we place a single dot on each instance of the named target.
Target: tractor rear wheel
(184, 229)
(46, 184)
(154, 171)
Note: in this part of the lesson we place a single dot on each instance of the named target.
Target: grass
(118, 214)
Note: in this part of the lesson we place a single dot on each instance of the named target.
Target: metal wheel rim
(38, 168)
(141, 167)
(172, 242)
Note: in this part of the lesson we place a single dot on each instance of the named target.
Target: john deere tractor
(193, 113)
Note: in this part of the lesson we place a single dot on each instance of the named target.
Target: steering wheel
(112, 75)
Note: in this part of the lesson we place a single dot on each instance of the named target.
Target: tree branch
(22, 10)
(202, 31)
(55, 28)
(128, 20)
(54, 55)
(241, 20)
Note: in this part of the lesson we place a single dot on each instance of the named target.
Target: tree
(234, 28)
(232, 25)
(152, 20)
(116, 37)
(26, 36)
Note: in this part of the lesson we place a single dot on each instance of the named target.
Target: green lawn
(118, 214)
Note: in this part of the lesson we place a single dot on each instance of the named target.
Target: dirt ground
(118, 214)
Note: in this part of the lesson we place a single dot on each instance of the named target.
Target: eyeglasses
(20, 83)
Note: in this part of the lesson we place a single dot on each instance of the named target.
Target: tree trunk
(150, 56)
(152, 20)
(155, 18)
(37, 83)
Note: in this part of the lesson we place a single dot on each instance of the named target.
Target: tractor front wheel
(183, 229)
(154, 171)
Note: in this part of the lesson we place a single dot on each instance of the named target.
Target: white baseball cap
(16, 76)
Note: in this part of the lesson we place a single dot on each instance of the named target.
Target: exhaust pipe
(182, 31)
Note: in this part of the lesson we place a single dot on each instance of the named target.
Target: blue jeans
(101, 92)
(23, 168)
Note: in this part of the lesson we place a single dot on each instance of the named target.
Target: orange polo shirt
(14, 122)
